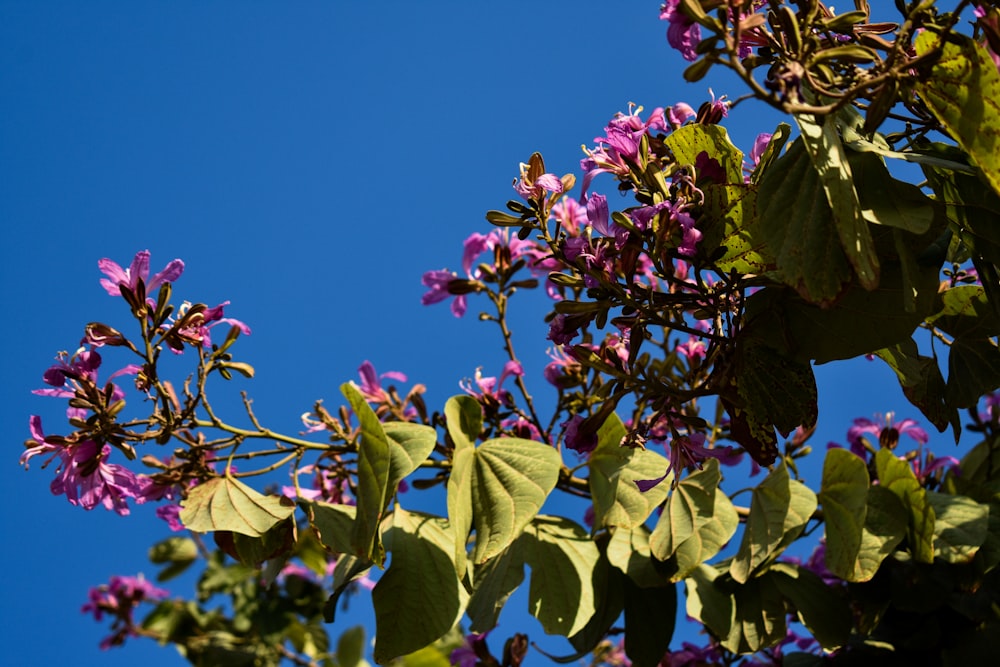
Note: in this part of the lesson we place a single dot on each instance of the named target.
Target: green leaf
(844, 497)
(511, 478)
(614, 470)
(225, 503)
(334, 524)
(779, 511)
(349, 568)
(745, 618)
(922, 383)
(689, 141)
(973, 370)
(859, 323)
(797, 224)
(774, 387)
(962, 90)
(898, 477)
(830, 161)
(887, 201)
(562, 558)
(979, 470)
(709, 603)
(772, 152)
(351, 647)
(495, 581)
(629, 551)
(820, 608)
(729, 220)
(177, 552)
(419, 598)
(409, 446)
(465, 423)
(960, 526)
(885, 528)
(649, 622)
(965, 312)
(609, 602)
(464, 416)
(689, 508)
(374, 470)
(707, 541)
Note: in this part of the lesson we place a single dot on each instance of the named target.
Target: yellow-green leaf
(225, 503)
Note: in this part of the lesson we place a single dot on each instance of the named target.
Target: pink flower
(683, 33)
(117, 277)
(685, 451)
(371, 387)
(576, 438)
(172, 515)
(119, 598)
(693, 349)
(887, 432)
(488, 389)
(86, 480)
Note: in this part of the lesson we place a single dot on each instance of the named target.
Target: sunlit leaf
(898, 477)
(225, 503)
(779, 511)
(690, 141)
(885, 528)
(962, 90)
(690, 506)
(844, 497)
(960, 526)
(628, 550)
(374, 471)
(614, 471)
(511, 478)
(829, 158)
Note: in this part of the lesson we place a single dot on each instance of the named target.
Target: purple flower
(117, 277)
(172, 515)
(693, 349)
(685, 451)
(488, 389)
(119, 598)
(438, 282)
(887, 432)
(471, 651)
(577, 439)
(759, 146)
(86, 480)
(683, 33)
(680, 113)
(371, 387)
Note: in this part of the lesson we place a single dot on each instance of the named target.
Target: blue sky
(308, 162)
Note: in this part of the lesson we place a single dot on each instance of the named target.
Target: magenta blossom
(683, 34)
(371, 387)
(575, 437)
(887, 433)
(439, 282)
(686, 451)
(119, 598)
(86, 480)
(117, 277)
(488, 390)
(172, 515)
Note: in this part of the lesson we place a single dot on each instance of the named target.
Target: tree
(691, 318)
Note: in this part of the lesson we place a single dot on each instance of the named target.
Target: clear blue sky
(308, 161)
